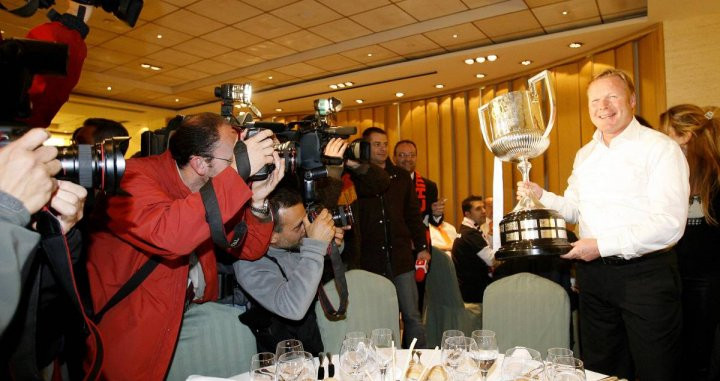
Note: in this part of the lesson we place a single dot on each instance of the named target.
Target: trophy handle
(545, 75)
(482, 110)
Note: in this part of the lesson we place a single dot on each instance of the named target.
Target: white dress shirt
(632, 196)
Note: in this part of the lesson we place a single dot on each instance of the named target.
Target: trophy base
(531, 233)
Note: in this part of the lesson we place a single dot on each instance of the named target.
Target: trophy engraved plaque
(514, 130)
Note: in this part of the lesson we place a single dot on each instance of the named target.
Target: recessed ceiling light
(341, 85)
(399, 94)
(369, 55)
(333, 87)
(159, 36)
(145, 66)
(348, 83)
(2, 32)
(525, 62)
(177, 99)
(278, 109)
(469, 61)
(156, 68)
(109, 88)
(575, 45)
(480, 59)
(491, 57)
(455, 36)
(479, 75)
(270, 77)
(439, 86)
(359, 100)
(564, 13)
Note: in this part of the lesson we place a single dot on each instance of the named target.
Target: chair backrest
(441, 283)
(527, 310)
(372, 303)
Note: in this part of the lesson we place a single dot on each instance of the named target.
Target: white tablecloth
(428, 358)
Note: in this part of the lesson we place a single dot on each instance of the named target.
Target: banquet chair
(527, 310)
(372, 303)
(444, 306)
(216, 344)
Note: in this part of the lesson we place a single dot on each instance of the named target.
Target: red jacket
(162, 217)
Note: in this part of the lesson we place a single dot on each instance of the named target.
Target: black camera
(98, 166)
(358, 150)
(342, 215)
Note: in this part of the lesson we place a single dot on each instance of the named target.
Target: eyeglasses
(404, 155)
(229, 161)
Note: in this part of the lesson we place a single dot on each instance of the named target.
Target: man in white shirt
(628, 192)
(471, 252)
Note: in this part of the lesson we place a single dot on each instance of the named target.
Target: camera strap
(340, 283)
(214, 220)
(242, 160)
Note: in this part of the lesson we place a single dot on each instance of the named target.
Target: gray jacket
(16, 244)
(291, 298)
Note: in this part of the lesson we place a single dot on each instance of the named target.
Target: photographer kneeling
(282, 285)
(158, 241)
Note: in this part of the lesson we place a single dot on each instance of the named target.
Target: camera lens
(99, 166)
(342, 214)
(290, 152)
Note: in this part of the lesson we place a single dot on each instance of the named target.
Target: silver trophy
(515, 131)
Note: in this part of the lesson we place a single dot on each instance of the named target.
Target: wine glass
(296, 366)
(454, 352)
(485, 351)
(451, 333)
(522, 363)
(467, 367)
(567, 368)
(262, 367)
(355, 356)
(287, 346)
(382, 342)
(552, 353)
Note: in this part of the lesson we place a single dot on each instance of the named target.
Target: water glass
(522, 363)
(567, 368)
(485, 351)
(451, 333)
(356, 357)
(288, 346)
(383, 345)
(296, 366)
(262, 367)
(355, 335)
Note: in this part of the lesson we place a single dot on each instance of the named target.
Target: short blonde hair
(616, 73)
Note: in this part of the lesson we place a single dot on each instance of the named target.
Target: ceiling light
(525, 62)
(369, 54)
(399, 94)
(564, 13)
(340, 85)
(491, 57)
(278, 109)
(359, 100)
(2, 32)
(109, 88)
(455, 36)
(480, 59)
(439, 86)
(575, 45)
(333, 87)
(479, 75)
(145, 66)
(156, 68)
(159, 36)
(177, 99)
(469, 61)
(269, 76)
(348, 84)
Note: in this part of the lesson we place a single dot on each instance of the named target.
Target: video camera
(99, 166)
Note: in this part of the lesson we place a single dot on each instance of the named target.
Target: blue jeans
(407, 295)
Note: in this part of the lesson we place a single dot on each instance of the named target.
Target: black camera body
(342, 215)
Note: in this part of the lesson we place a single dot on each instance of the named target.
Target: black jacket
(472, 272)
(388, 220)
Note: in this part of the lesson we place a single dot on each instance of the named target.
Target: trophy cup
(515, 131)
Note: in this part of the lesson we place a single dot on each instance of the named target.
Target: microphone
(421, 268)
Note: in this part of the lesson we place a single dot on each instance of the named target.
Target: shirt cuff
(12, 210)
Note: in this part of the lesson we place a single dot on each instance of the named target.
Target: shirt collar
(469, 223)
(631, 132)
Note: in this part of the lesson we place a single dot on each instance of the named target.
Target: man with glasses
(390, 228)
(162, 218)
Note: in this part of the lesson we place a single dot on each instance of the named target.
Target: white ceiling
(290, 48)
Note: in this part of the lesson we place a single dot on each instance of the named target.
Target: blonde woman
(697, 130)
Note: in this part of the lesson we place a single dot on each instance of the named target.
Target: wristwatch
(264, 211)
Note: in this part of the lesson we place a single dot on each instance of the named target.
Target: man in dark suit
(471, 252)
(431, 210)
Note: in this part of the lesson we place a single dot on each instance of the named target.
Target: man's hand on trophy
(585, 249)
(524, 188)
